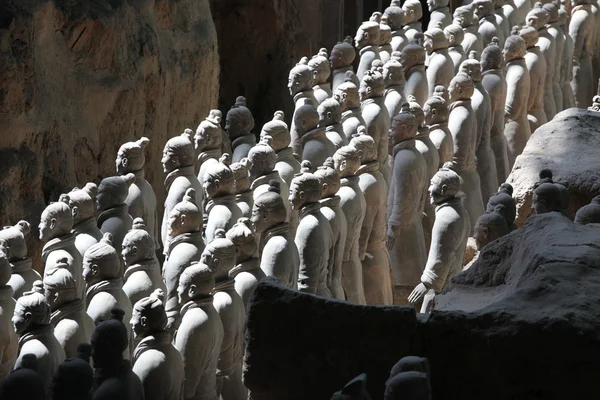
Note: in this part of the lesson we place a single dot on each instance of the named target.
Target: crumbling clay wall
(78, 78)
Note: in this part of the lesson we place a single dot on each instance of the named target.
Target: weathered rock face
(567, 145)
(79, 78)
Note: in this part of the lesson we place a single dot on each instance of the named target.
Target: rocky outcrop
(568, 146)
(78, 78)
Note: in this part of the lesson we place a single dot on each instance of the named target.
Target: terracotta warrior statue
(31, 320)
(83, 207)
(385, 37)
(376, 117)
(72, 325)
(330, 118)
(516, 128)
(246, 273)
(316, 146)
(243, 194)
(279, 254)
(567, 59)
(113, 374)
(582, 30)
(504, 197)
(12, 238)
(178, 165)
(239, 123)
(141, 200)
(488, 27)
(522, 7)
(25, 382)
(509, 11)
(439, 14)
(286, 164)
(590, 213)
(314, 237)
(490, 226)
(142, 269)
(548, 195)
(462, 123)
(219, 189)
(156, 361)
(492, 78)
(208, 141)
(463, 16)
(393, 80)
(347, 95)
(536, 64)
(405, 237)
(501, 19)
(219, 256)
(75, 376)
(455, 36)
(413, 61)
(435, 111)
(441, 67)
(200, 334)
(331, 210)
(559, 42)
(481, 103)
(367, 41)
(101, 271)
(55, 231)
(413, 12)
(300, 85)
(113, 214)
(449, 235)
(341, 59)
(376, 266)
(320, 64)
(356, 389)
(9, 344)
(538, 18)
(186, 246)
(346, 161)
(395, 19)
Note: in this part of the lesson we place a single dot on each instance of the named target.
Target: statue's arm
(406, 200)
(367, 226)
(577, 31)
(193, 355)
(441, 255)
(311, 253)
(512, 104)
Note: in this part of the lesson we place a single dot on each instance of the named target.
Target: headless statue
(413, 61)
(559, 41)
(221, 208)
(330, 118)
(320, 64)
(492, 78)
(278, 252)
(239, 123)
(509, 12)
(481, 103)
(376, 117)
(346, 161)
(413, 12)
(208, 141)
(142, 269)
(440, 69)
(439, 14)
(516, 128)
(375, 258)
(243, 194)
(200, 335)
(393, 80)
(463, 16)
(141, 200)
(178, 166)
(12, 238)
(567, 59)
(462, 123)
(185, 247)
(72, 325)
(316, 146)
(331, 210)
(55, 230)
(590, 213)
(341, 59)
(347, 95)
(394, 15)
(314, 237)
(156, 361)
(501, 19)
(582, 31)
(219, 256)
(366, 42)
(9, 344)
(449, 237)
(246, 273)
(504, 197)
(435, 111)
(31, 320)
(300, 85)
(455, 36)
(522, 7)
(83, 207)
(536, 64)
(405, 237)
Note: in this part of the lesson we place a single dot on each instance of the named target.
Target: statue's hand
(417, 293)
(391, 239)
